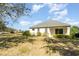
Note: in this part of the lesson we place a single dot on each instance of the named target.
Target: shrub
(74, 30)
(75, 36)
(38, 34)
(62, 36)
(67, 36)
(58, 36)
(26, 33)
(12, 32)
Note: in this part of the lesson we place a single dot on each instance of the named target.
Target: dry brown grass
(26, 49)
(21, 49)
(37, 48)
(63, 47)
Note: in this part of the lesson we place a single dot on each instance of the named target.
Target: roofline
(49, 27)
(36, 26)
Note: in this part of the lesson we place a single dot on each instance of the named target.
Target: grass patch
(24, 49)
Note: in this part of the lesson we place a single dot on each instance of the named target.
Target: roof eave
(50, 26)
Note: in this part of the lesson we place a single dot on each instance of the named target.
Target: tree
(13, 10)
(74, 30)
(26, 33)
(2, 26)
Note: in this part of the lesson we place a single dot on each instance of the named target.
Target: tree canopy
(74, 29)
(13, 10)
(2, 26)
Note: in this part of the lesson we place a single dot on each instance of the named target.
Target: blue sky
(67, 13)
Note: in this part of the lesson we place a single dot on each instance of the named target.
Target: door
(58, 31)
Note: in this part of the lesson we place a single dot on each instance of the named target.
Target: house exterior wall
(50, 31)
(34, 32)
(42, 30)
(68, 30)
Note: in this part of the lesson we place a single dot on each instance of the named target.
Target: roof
(49, 23)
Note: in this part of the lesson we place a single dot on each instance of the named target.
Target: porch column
(38, 30)
(48, 32)
(68, 30)
(31, 31)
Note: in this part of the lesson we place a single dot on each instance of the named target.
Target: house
(50, 27)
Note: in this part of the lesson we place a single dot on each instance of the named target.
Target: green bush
(62, 36)
(38, 34)
(58, 36)
(73, 31)
(12, 32)
(26, 33)
(67, 36)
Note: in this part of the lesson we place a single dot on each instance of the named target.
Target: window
(33, 29)
(58, 31)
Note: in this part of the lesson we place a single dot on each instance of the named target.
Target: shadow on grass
(67, 50)
(62, 51)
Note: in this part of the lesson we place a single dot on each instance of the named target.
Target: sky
(66, 13)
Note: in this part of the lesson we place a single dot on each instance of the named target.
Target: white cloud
(48, 17)
(74, 23)
(71, 21)
(59, 11)
(67, 20)
(56, 7)
(29, 23)
(36, 22)
(59, 15)
(62, 13)
(36, 8)
(23, 23)
(57, 18)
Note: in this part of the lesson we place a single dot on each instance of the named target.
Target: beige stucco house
(50, 27)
